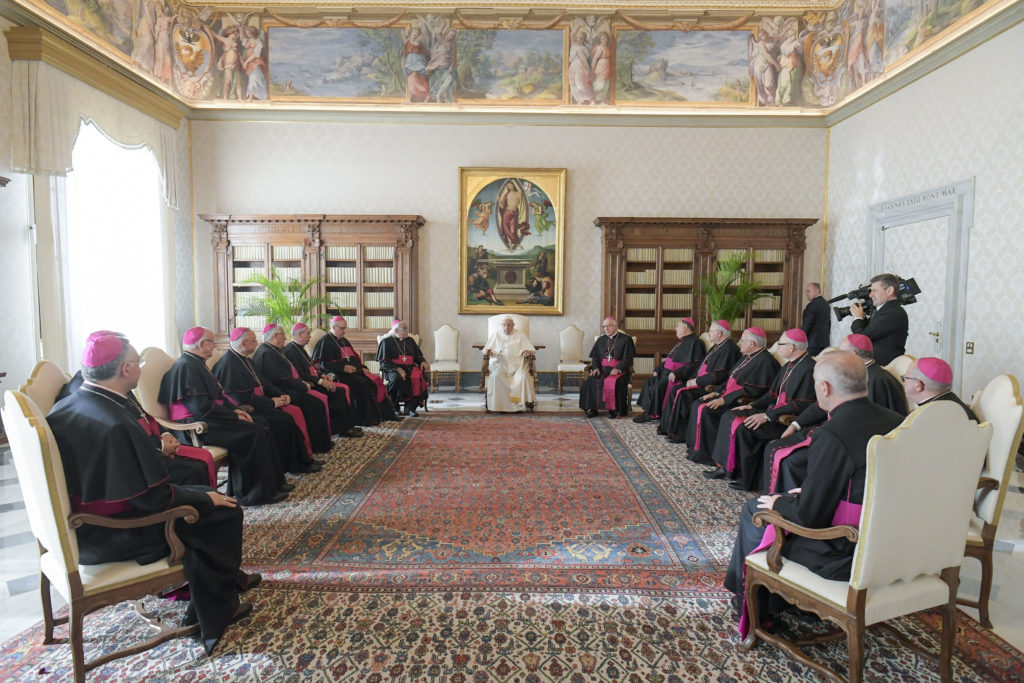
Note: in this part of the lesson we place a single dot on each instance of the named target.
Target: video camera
(906, 293)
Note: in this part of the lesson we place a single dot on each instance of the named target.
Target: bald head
(839, 376)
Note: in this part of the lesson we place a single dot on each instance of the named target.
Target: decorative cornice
(32, 43)
(578, 6)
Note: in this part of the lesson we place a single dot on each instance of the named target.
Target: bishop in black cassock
(246, 389)
(403, 368)
(744, 431)
(749, 379)
(931, 379)
(112, 468)
(785, 459)
(343, 420)
(336, 356)
(713, 370)
(273, 368)
(680, 365)
(611, 363)
(192, 393)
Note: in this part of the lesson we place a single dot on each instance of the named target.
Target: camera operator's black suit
(887, 328)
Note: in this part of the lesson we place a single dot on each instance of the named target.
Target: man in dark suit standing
(817, 319)
(887, 328)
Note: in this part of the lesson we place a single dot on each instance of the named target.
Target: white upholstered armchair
(570, 355)
(910, 542)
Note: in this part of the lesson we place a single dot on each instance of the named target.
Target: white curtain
(47, 106)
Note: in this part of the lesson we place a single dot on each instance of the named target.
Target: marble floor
(19, 582)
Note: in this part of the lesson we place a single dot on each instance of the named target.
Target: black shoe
(393, 418)
(642, 418)
(591, 413)
(410, 412)
(353, 433)
(241, 612)
(737, 486)
(247, 582)
(287, 488)
(717, 473)
(611, 414)
(189, 618)
(314, 466)
(661, 431)
(276, 498)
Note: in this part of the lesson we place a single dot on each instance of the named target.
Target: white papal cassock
(509, 386)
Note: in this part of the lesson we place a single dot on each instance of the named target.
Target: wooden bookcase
(366, 266)
(653, 267)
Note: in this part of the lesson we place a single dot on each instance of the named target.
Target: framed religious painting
(511, 240)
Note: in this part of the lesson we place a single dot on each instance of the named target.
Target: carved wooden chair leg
(951, 575)
(44, 596)
(76, 615)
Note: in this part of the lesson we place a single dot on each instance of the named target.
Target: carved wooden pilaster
(222, 314)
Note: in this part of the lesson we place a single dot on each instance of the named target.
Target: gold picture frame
(511, 240)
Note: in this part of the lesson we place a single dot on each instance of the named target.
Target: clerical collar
(103, 388)
(936, 396)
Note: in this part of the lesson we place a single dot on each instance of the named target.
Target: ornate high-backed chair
(999, 403)
(897, 367)
(214, 357)
(446, 356)
(706, 338)
(86, 588)
(154, 365)
(315, 335)
(898, 567)
(522, 323)
(570, 355)
(44, 384)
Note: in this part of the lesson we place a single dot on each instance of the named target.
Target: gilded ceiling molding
(337, 23)
(577, 6)
(509, 23)
(684, 26)
(31, 43)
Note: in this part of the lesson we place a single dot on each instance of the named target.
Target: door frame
(954, 201)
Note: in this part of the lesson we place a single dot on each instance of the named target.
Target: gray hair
(107, 370)
(716, 326)
(759, 342)
(845, 372)
(269, 334)
(236, 344)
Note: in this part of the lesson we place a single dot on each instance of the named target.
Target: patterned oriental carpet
(497, 548)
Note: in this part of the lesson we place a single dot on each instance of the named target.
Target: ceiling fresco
(658, 57)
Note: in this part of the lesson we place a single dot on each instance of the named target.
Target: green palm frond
(285, 300)
(730, 290)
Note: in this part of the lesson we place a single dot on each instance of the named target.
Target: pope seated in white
(509, 384)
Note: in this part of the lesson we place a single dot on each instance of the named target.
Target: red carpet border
(496, 548)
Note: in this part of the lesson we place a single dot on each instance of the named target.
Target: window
(113, 244)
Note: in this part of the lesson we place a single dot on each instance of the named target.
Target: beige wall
(961, 121)
(413, 169)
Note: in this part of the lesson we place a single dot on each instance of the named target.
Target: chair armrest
(986, 485)
(786, 420)
(763, 517)
(186, 512)
(194, 429)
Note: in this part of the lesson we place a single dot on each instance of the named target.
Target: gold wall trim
(32, 43)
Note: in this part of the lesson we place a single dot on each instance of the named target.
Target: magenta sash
(102, 508)
(730, 386)
(736, 422)
(179, 413)
(300, 420)
(153, 429)
(846, 513)
(671, 366)
(419, 385)
(382, 393)
(295, 373)
(781, 455)
(347, 352)
(608, 385)
(327, 410)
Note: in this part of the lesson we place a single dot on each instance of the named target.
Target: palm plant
(730, 290)
(284, 301)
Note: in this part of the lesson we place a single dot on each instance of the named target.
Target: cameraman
(887, 327)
